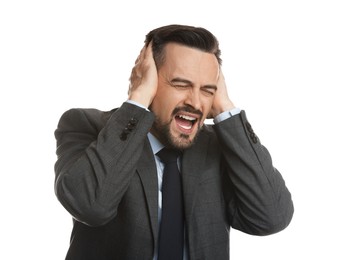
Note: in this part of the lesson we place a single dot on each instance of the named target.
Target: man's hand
(143, 79)
(221, 102)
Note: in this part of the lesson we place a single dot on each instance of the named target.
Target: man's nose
(193, 99)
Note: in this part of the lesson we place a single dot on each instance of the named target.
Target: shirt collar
(155, 144)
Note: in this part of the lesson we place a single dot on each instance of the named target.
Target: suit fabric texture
(106, 179)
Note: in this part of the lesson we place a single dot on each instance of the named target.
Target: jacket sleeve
(96, 159)
(257, 198)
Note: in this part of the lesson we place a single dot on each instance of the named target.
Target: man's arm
(97, 159)
(258, 201)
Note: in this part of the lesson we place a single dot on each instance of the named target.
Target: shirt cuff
(227, 114)
(137, 104)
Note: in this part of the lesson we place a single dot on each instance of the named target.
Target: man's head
(190, 36)
(187, 60)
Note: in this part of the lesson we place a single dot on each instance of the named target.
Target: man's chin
(183, 141)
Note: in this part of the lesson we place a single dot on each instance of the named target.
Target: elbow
(285, 218)
(85, 209)
(279, 216)
(93, 218)
(264, 223)
(90, 214)
(276, 222)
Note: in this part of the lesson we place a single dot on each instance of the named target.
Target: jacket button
(133, 121)
(249, 128)
(123, 136)
(130, 126)
(253, 138)
(127, 130)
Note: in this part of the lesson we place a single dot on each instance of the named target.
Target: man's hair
(190, 36)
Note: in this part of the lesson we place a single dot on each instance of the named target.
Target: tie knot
(168, 155)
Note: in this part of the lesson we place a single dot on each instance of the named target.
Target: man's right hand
(143, 79)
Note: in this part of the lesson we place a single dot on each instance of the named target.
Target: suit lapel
(148, 174)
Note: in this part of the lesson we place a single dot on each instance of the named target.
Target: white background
(285, 62)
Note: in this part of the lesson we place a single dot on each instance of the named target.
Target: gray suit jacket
(106, 178)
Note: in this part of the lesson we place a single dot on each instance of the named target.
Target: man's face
(187, 83)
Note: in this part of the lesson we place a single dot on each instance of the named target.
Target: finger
(148, 50)
(135, 75)
(141, 55)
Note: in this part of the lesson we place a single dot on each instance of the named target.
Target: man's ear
(210, 115)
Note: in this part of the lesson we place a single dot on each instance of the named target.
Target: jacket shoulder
(83, 119)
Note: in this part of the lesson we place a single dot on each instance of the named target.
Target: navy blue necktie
(171, 235)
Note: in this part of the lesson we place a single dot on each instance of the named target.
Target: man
(109, 175)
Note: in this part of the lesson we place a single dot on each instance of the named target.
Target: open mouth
(186, 122)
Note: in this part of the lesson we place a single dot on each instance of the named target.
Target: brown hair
(190, 36)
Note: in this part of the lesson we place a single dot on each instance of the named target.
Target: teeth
(190, 118)
(186, 127)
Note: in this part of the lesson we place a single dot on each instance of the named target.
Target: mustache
(187, 109)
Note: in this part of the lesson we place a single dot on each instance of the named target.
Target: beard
(162, 131)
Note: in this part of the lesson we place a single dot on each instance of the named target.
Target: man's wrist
(227, 114)
(137, 104)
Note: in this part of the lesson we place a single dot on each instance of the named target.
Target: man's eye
(181, 86)
(209, 91)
